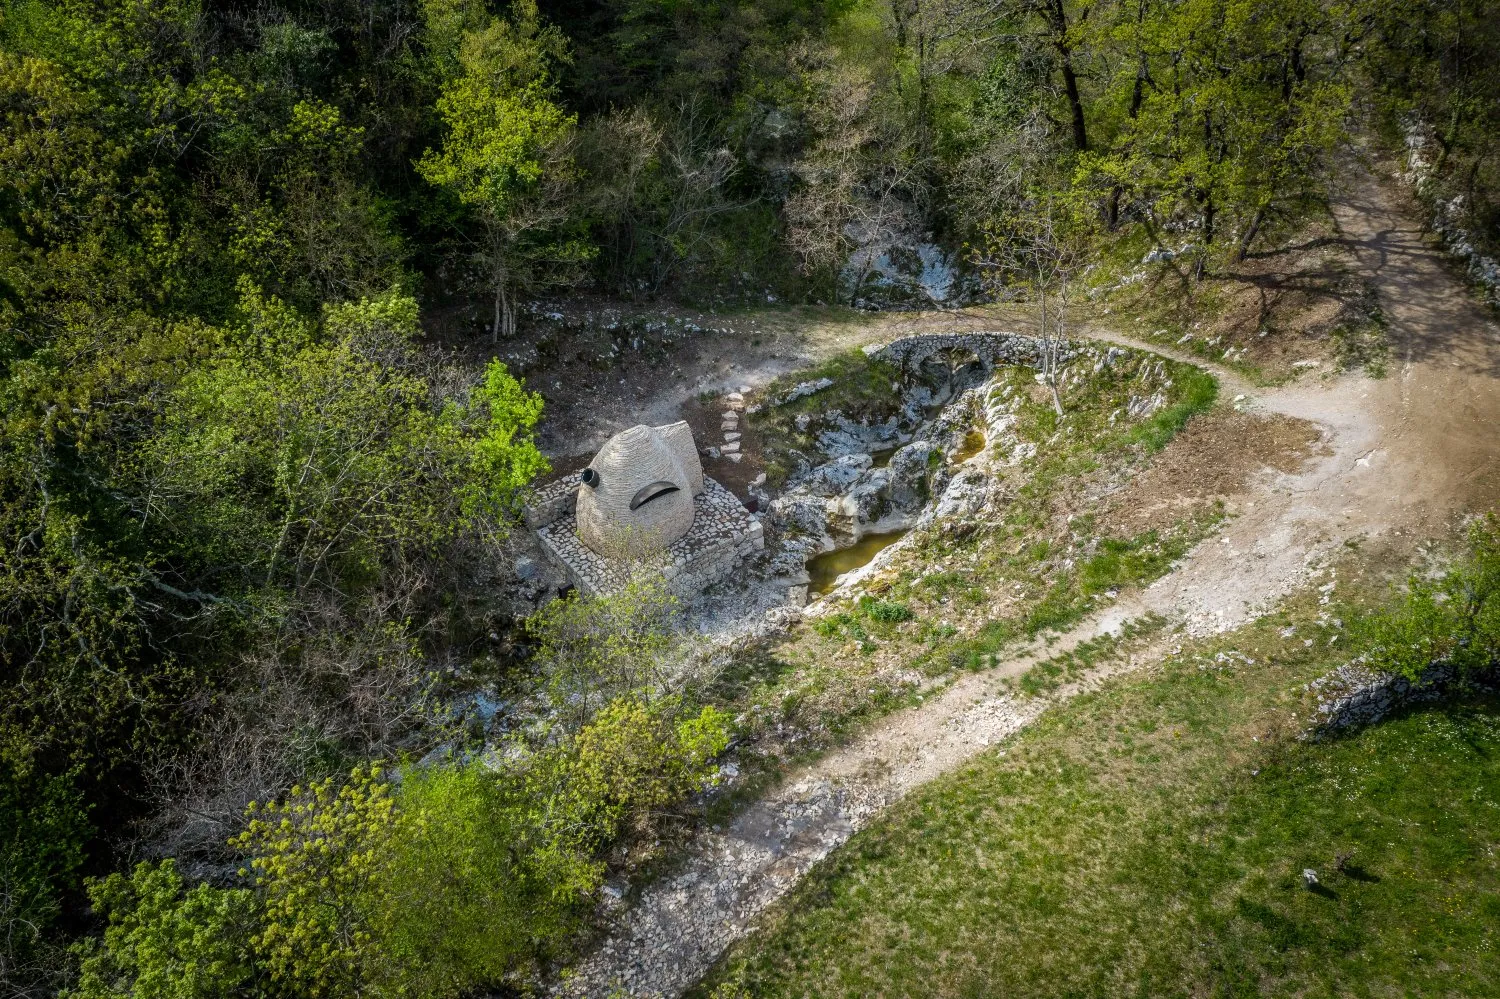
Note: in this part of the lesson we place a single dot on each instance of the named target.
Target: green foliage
(1440, 83)
(592, 651)
(505, 153)
(1197, 391)
(165, 940)
(881, 615)
(863, 388)
(343, 438)
(1240, 108)
(634, 757)
(1454, 619)
(239, 496)
(317, 863)
(1116, 563)
(43, 827)
(460, 874)
(885, 611)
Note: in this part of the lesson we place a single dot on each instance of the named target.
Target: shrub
(445, 882)
(320, 864)
(1455, 619)
(43, 826)
(885, 611)
(165, 941)
(594, 650)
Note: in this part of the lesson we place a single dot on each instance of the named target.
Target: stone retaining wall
(723, 535)
(1354, 695)
(552, 502)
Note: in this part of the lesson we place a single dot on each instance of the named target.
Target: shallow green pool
(825, 569)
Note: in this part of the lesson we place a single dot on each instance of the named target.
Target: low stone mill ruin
(643, 505)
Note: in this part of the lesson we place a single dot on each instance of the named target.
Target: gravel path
(1402, 455)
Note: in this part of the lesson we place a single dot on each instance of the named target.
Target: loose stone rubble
(1448, 214)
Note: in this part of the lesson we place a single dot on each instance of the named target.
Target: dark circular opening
(590, 478)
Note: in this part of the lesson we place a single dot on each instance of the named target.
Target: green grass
(1196, 391)
(1148, 839)
(1049, 674)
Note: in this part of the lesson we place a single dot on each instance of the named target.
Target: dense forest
(243, 491)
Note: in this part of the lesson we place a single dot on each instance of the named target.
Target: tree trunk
(1250, 234)
(506, 324)
(500, 300)
(1137, 95)
(1058, 21)
(1210, 215)
(1070, 83)
(1051, 346)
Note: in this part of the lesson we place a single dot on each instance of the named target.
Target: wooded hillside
(243, 491)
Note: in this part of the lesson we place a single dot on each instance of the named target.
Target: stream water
(825, 569)
(973, 444)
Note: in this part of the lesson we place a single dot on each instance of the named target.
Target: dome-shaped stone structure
(636, 496)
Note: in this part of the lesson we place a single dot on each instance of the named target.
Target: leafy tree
(1234, 112)
(318, 859)
(507, 156)
(307, 456)
(460, 874)
(300, 220)
(166, 940)
(1440, 82)
(858, 177)
(179, 498)
(100, 108)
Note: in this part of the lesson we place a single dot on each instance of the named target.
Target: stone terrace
(724, 534)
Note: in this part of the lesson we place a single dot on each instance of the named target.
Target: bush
(447, 881)
(885, 611)
(1455, 619)
(43, 826)
(594, 650)
(164, 941)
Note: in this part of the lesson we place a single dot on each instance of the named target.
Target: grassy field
(1149, 839)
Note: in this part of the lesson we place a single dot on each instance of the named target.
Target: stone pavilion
(644, 506)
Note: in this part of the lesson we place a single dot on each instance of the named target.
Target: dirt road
(1403, 456)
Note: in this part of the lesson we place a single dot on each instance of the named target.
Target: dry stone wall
(992, 349)
(1354, 695)
(552, 502)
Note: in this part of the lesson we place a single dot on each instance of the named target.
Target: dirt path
(1402, 455)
